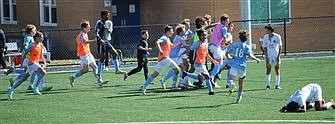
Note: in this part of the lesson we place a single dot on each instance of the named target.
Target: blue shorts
(105, 47)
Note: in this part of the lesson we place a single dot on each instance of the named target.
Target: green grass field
(121, 101)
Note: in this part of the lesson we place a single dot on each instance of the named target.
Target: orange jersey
(201, 53)
(166, 50)
(35, 52)
(82, 47)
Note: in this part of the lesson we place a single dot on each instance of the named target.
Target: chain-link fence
(298, 35)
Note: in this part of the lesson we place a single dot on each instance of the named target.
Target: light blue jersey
(162, 40)
(240, 52)
(27, 41)
(174, 51)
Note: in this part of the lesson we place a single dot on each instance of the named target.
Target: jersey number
(239, 52)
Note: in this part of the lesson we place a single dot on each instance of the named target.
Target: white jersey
(306, 94)
(109, 26)
(272, 44)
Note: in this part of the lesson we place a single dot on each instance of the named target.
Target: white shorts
(182, 53)
(201, 69)
(32, 67)
(237, 72)
(217, 52)
(88, 59)
(166, 62)
(25, 62)
(178, 61)
(272, 60)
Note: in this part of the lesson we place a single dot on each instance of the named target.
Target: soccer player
(183, 50)
(219, 35)
(201, 52)
(180, 30)
(238, 63)
(35, 52)
(2, 49)
(164, 46)
(272, 45)
(302, 99)
(86, 57)
(103, 31)
(142, 56)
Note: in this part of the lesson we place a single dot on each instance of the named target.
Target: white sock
(267, 79)
(277, 80)
(328, 104)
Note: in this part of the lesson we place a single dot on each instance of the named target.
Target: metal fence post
(285, 49)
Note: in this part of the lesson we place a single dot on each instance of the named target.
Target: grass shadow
(207, 106)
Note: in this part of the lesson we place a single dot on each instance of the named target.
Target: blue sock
(39, 79)
(174, 79)
(19, 71)
(209, 86)
(168, 75)
(20, 76)
(116, 64)
(215, 70)
(32, 78)
(228, 77)
(18, 83)
(239, 93)
(147, 82)
(96, 75)
(100, 67)
(78, 74)
(192, 75)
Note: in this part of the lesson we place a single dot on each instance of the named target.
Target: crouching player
(86, 57)
(238, 63)
(300, 101)
(201, 52)
(35, 52)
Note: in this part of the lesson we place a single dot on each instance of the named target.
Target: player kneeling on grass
(86, 57)
(35, 52)
(300, 101)
(238, 63)
(201, 52)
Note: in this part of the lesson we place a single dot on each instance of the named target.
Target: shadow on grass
(208, 106)
(163, 97)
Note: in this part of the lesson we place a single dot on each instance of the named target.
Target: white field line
(231, 121)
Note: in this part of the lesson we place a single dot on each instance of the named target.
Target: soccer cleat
(210, 93)
(183, 86)
(125, 76)
(30, 87)
(216, 85)
(71, 78)
(227, 86)
(101, 82)
(268, 87)
(120, 72)
(46, 88)
(36, 91)
(10, 92)
(11, 82)
(163, 84)
(239, 98)
(278, 87)
(230, 91)
(144, 91)
(106, 68)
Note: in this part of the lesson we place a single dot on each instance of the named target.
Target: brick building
(301, 34)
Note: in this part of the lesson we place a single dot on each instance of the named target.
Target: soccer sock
(116, 65)
(209, 86)
(192, 75)
(77, 74)
(96, 75)
(328, 104)
(277, 80)
(267, 79)
(239, 94)
(228, 78)
(230, 82)
(32, 78)
(174, 79)
(147, 82)
(215, 70)
(168, 75)
(39, 79)
(18, 83)
(100, 67)
(19, 71)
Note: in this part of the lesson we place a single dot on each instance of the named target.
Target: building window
(8, 12)
(114, 10)
(107, 3)
(48, 13)
(269, 9)
(131, 8)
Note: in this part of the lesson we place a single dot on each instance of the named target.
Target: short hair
(167, 28)
(185, 21)
(292, 106)
(199, 22)
(243, 35)
(38, 35)
(200, 31)
(179, 29)
(269, 27)
(224, 17)
(144, 31)
(84, 24)
(29, 28)
(207, 17)
(104, 13)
